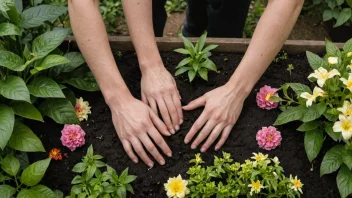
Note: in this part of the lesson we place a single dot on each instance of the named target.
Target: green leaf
(23, 139)
(191, 75)
(7, 121)
(209, 65)
(15, 88)
(291, 114)
(59, 194)
(90, 171)
(299, 88)
(51, 61)
(347, 47)
(340, 2)
(79, 168)
(90, 151)
(314, 60)
(45, 87)
(44, 191)
(349, 2)
(189, 46)
(23, 157)
(26, 110)
(332, 160)
(7, 191)
(182, 70)
(9, 29)
(200, 43)
(332, 49)
(19, 5)
(121, 192)
(184, 62)
(182, 51)
(347, 158)
(276, 99)
(332, 4)
(85, 82)
(335, 136)
(336, 13)
(313, 140)
(327, 15)
(344, 181)
(4, 178)
(314, 112)
(344, 16)
(77, 180)
(36, 16)
(11, 61)
(47, 42)
(28, 193)
(203, 72)
(60, 110)
(34, 173)
(209, 47)
(76, 60)
(27, 53)
(70, 96)
(308, 126)
(10, 164)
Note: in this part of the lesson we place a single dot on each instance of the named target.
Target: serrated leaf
(313, 140)
(191, 75)
(15, 88)
(7, 191)
(45, 87)
(26, 110)
(7, 121)
(182, 70)
(51, 61)
(9, 29)
(11, 61)
(314, 60)
(36, 16)
(60, 110)
(10, 164)
(23, 139)
(344, 16)
(34, 173)
(332, 160)
(291, 114)
(308, 126)
(344, 181)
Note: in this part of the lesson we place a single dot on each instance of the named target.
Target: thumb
(195, 104)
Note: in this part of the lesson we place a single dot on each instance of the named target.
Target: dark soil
(241, 142)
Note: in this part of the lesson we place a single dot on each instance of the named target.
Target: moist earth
(241, 143)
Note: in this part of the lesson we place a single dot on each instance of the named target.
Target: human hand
(222, 109)
(159, 90)
(136, 124)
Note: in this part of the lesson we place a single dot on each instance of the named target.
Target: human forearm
(89, 30)
(272, 30)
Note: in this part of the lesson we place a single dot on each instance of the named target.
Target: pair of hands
(139, 127)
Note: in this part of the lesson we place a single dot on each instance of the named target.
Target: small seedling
(119, 54)
(290, 67)
(280, 56)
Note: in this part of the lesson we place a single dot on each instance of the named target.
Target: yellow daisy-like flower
(312, 97)
(255, 187)
(82, 109)
(259, 157)
(346, 109)
(176, 187)
(347, 82)
(321, 74)
(333, 60)
(344, 125)
(296, 184)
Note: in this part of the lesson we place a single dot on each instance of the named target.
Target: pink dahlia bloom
(72, 136)
(268, 138)
(263, 98)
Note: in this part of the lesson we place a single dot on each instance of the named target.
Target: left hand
(223, 106)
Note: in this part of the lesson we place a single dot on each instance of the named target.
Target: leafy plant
(258, 176)
(110, 10)
(94, 183)
(198, 61)
(326, 112)
(175, 5)
(290, 67)
(340, 11)
(256, 10)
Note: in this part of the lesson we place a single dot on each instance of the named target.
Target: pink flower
(263, 98)
(72, 136)
(268, 138)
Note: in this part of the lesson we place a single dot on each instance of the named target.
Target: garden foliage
(340, 11)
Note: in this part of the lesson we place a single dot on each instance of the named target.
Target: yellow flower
(344, 125)
(259, 157)
(296, 184)
(176, 187)
(198, 159)
(255, 187)
(346, 109)
(82, 109)
(349, 54)
(312, 97)
(333, 60)
(347, 82)
(322, 75)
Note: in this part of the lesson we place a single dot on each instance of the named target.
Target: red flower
(55, 154)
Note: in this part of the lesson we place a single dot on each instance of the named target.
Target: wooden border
(124, 43)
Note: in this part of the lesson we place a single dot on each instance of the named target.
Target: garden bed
(241, 142)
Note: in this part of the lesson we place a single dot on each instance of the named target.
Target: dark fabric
(221, 18)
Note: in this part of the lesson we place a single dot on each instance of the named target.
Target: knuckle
(217, 116)
(159, 141)
(150, 147)
(139, 150)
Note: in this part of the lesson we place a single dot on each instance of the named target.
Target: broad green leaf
(347, 158)
(15, 88)
(335, 136)
(327, 15)
(13, 14)
(314, 60)
(90, 151)
(19, 5)
(209, 47)
(191, 75)
(44, 191)
(7, 121)
(90, 172)
(291, 114)
(121, 192)
(26, 110)
(23, 157)
(11, 61)
(85, 82)
(23, 139)
(344, 16)
(299, 88)
(336, 13)
(47, 42)
(36, 16)
(51, 61)
(10, 164)
(70, 96)
(28, 193)
(184, 62)
(344, 181)
(7, 191)
(34, 173)
(313, 140)
(76, 60)
(37, 2)
(182, 70)
(8, 29)
(209, 65)
(182, 51)
(203, 72)
(308, 126)
(79, 168)
(77, 180)
(332, 160)
(349, 2)
(332, 4)
(332, 49)
(340, 2)
(59, 194)
(61, 110)
(314, 112)
(347, 47)
(45, 87)
(200, 43)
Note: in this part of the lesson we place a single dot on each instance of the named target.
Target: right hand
(136, 124)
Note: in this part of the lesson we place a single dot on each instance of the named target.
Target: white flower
(82, 109)
(344, 125)
(322, 75)
(333, 60)
(347, 82)
(312, 97)
(276, 161)
(346, 109)
(255, 187)
(296, 184)
(259, 157)
(176, 187)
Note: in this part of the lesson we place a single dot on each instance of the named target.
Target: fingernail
(193, 147)
(135, 161)
(150, 164)
(181, 121)
(162, 162)
(177, 127)
(172, 131)
(169, 154)
(217, 148)
(186, 141)
(202, 150)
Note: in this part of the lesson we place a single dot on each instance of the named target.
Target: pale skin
(137, 124)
